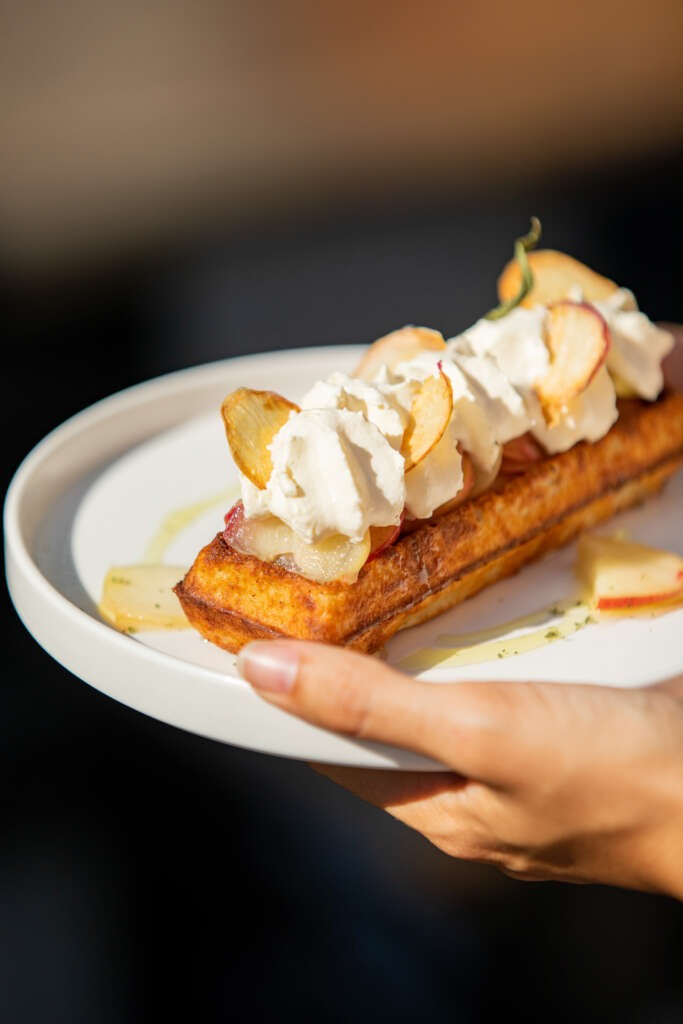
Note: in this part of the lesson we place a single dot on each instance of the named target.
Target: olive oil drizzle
(556, 622)
(137, 598)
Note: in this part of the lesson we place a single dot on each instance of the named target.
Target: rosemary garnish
(523, 245)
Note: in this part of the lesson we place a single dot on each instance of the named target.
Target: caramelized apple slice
(270, 540)
(335, 559)
(252, 419)
(520, 453)
(578, 340)
(233, 520)
(430, 412)
(398, 347)
(555, 274)
(620, 575)
(382, 537)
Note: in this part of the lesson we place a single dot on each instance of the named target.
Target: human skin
(542, 780)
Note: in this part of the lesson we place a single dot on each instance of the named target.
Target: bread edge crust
(230, 628)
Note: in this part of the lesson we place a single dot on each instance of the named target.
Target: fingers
(459, 724)
(673, 686)
(389, 789)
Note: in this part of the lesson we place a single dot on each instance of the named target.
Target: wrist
(662, 853)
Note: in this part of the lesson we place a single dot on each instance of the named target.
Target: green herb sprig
(523, 245)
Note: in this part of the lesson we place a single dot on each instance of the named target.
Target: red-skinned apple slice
(233, 521)
(382, 537)
(270, 540)
(520, 453)
(398, 347)
(621, 575)
(578, 341)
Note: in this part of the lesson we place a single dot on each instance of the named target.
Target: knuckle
(518, 864)
(462, 847)
(473, 851)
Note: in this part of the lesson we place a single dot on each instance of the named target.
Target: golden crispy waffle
(232, 598)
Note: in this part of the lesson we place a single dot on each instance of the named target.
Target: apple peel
(520, 453)
(335, 558)
(430, 413)
(398, 347)
(620, 575)
(382, 537)
(578, 341)
(252, 419)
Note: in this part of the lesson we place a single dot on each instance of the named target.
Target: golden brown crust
(233, 598)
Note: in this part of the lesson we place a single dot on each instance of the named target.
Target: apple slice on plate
(140, 597)
(578, 341)
(620, 575)
(554, 274)
(398, 347)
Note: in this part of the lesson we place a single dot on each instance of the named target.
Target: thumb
(352, 693)
(673, 686)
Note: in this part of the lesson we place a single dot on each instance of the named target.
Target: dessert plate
(98, 489)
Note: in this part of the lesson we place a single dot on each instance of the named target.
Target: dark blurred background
(183, 182)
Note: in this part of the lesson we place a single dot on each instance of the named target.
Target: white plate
(95, 490)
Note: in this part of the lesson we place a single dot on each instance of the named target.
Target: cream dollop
(386, 403)
(438, 478)
(333, 472)
(587, 417)
(517, 345)
(337, 467)
(339, 391)
(638, 346)
(501, 403)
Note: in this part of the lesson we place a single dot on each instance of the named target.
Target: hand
(542, 780)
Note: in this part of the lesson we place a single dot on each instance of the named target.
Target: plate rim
(36, 598)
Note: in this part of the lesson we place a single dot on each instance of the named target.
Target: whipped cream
(386, 403)
(501, 403)
(438, 477)
(337, 467)
(638, 346)
(333, 472)
(339, 391)
(516, 343)
(587, 417)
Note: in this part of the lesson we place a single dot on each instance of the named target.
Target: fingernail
(269, 665)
